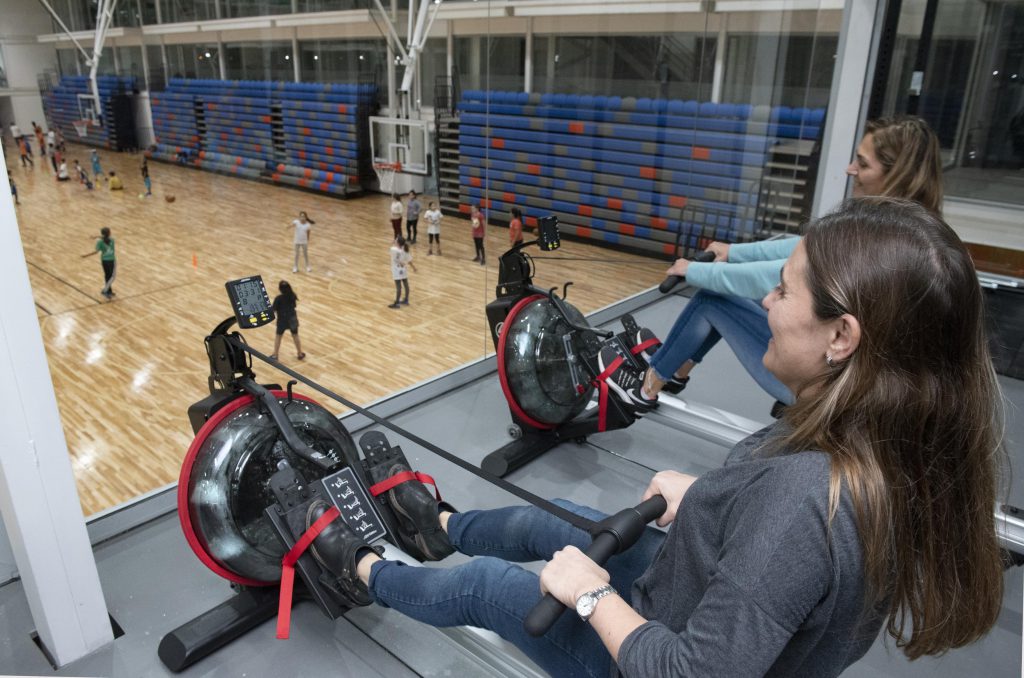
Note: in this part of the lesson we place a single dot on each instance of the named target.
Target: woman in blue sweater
(869, 504)
(898, 158)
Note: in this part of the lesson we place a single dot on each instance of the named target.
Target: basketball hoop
(386, 174)
(82, 127)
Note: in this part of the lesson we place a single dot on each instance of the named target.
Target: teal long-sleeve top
(752, 270)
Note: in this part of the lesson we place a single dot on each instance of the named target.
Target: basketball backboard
(88, 109)
(397, 140)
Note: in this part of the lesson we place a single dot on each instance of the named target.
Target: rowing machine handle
(671, 281)
(613, 535)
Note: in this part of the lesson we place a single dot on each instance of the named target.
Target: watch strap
(597, 594)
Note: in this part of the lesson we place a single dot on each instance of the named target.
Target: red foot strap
(403, 477)
(602, 385)
(643, 346)
(284, 603)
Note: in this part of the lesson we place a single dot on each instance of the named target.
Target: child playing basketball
(97, 170)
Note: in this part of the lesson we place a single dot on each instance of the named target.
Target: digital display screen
(251, 297)
(251, 303)
(547, 233)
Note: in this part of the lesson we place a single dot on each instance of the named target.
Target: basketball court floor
(126, 371)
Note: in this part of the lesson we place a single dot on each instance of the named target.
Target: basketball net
(82, 127)
(386, 174)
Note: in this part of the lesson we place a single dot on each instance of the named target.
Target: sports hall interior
(249, 112)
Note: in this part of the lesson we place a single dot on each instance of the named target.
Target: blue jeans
(492, 593)
(709, 317)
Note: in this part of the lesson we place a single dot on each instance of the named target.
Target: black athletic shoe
(675, 385)
(644, 335)
(337, 550)
(394, 305)
(623, 382)
(418, 516)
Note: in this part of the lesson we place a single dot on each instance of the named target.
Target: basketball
(169, 198)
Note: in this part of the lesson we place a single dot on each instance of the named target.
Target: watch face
(585, 605)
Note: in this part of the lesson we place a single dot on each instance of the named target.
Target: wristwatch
(587, 602)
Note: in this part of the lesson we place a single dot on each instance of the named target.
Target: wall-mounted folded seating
(309, 135)
(60, 105)
(647, 173)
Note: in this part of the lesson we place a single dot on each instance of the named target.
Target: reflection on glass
(777, 69)
(962, 70)
(670, 66)
(652, 131)
(237, 8)
(539, 373)
(193, 61)
(259, 61)
(494, 62)
(342, 60)
(173, 11)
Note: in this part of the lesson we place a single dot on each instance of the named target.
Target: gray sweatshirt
(751, 580)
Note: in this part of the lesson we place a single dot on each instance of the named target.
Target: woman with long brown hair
(897, 158)
(870, 503)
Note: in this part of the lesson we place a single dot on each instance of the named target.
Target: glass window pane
(433, 65)
(344, 61)
(663, 66)
(963, 73)
(174, 11)
(329, 5)
(193, 61)
(236, 8)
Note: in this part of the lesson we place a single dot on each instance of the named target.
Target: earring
(828, 360)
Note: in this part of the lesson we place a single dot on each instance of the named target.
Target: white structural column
(528, 60)
(719, 72)
(296, 66)
(450, 49)
(163, 59)
(847, 102)
(38, 499)
(222, 58)
(142, 47)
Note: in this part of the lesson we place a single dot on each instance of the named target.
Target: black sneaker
(644, 335)
(394, 305)
(418, 516)
(623, 382)
(338, 550)
(675, 385)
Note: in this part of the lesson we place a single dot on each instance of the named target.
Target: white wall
(25, 58)
(24, 17)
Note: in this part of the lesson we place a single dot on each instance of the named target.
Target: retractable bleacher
(308, 135)
(650, 174)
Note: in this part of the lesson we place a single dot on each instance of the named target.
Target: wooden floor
(126, 371)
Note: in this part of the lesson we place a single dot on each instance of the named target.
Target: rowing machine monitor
(548, 238)
(250, 302)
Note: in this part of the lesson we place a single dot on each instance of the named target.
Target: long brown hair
(908, 151)
(911, 420)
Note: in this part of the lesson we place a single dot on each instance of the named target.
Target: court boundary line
(62, 280)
